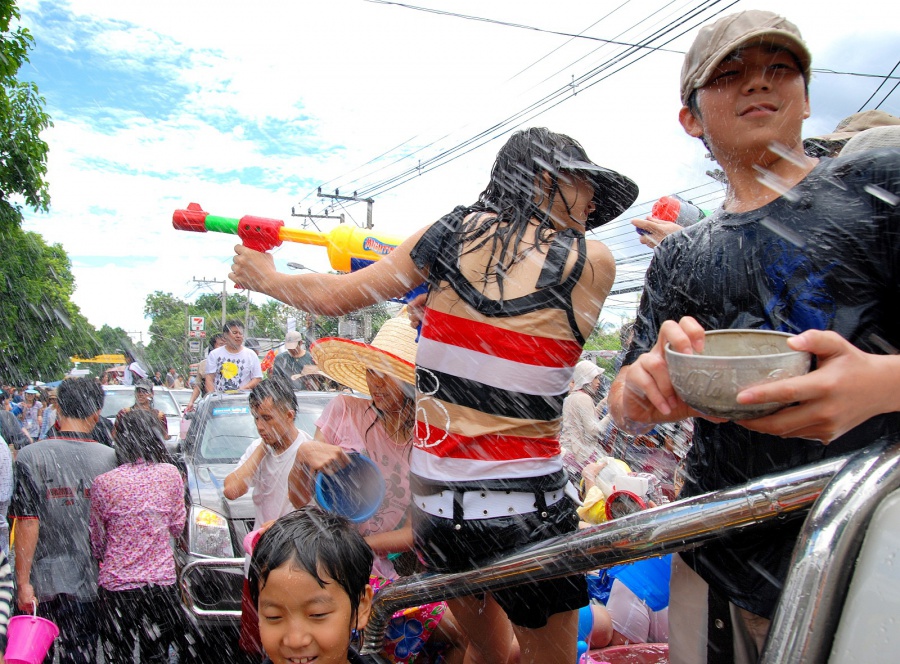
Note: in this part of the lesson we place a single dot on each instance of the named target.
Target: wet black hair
(511, 196)
(234, 322)
(79, 398)
(278, 388)
(138, 436)
(318, 542)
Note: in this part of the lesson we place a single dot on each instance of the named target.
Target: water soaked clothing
(135, 509)
(270, 481)
(6, 596)
(11, 430)
(53, 484)
(826, 256)
(491, 377)
(351, 423)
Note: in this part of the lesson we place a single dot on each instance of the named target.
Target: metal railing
(677, 526)
(807, 617)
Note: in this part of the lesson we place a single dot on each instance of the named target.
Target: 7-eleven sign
(197, 323)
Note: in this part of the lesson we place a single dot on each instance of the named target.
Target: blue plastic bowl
(356, 491)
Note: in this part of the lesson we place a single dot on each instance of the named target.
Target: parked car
(117, 397)
(221, 429)
(181, 396)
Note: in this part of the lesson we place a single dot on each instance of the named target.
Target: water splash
(880, 193)
(777, 184)
(780, 229)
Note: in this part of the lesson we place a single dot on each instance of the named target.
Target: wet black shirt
(825, 255)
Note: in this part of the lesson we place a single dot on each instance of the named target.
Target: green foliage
(602, 340)
(40, 327)
(168, 346)
(23, 155)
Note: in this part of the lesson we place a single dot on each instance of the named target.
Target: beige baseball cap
(718, 40)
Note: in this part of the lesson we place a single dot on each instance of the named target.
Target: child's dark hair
(321, 544)
(138, 436)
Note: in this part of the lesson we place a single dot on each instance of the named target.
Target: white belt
(484, 504)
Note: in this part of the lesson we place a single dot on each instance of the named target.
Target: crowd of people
(490, 430)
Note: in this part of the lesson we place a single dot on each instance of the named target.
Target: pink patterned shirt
(135, 508)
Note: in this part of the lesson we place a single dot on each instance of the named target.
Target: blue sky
(246, 109)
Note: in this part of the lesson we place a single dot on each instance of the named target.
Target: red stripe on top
(491, 447)
(500, 342)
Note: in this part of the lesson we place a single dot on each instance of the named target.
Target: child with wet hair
(309, 578)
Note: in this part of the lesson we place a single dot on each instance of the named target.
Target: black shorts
(442, 548)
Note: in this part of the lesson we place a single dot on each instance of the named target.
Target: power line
(503, 126)
(880, 85)
(896, 85)
(521, 26)
(533, 110)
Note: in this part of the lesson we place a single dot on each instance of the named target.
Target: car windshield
(230, 429)
(116, 400)
(181, 396)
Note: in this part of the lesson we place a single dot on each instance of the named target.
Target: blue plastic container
(356, 491)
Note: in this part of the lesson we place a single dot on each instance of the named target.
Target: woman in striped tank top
(515, 289)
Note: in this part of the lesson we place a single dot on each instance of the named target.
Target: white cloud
(256, 106)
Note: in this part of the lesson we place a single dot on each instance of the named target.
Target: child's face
(303, 623)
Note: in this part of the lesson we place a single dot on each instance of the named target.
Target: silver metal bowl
(733, 360)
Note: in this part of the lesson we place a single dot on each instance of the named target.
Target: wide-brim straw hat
(392, 352)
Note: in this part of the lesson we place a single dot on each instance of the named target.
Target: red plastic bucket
(29, 639)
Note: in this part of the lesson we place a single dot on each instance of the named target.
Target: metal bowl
(733, 360)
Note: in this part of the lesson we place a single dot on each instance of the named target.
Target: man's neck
(75, 424)
(285, 443)
(755, 183)
(232, 349)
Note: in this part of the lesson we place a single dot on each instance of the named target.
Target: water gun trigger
(259, 233)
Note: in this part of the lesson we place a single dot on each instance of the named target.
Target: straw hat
(392, 352)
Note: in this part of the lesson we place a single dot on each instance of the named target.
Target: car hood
(206, 483)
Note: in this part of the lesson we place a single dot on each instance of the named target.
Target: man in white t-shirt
(266, 466)
(232, 367)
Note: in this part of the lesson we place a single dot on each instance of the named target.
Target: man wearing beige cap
(800, 245)
(292, 363)
(830, 145)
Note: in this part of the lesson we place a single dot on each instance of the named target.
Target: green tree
(23, 155)
(40, 327)
(168, 334)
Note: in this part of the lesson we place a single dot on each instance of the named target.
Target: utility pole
(310, 215)
(336, 196)
(206, 282)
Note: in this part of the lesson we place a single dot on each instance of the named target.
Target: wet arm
(393, 541)
(313, 456)
(237, 482)
(27, 531)
(330, 294)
